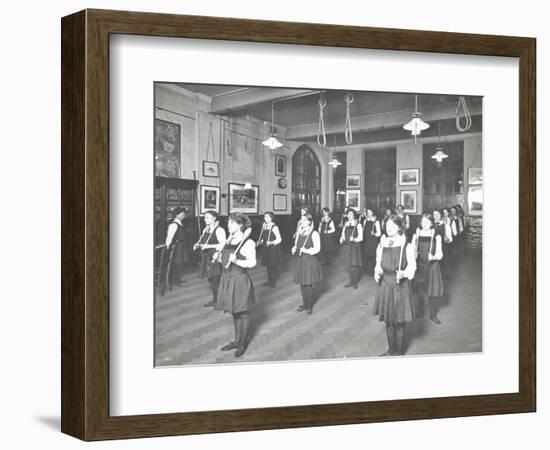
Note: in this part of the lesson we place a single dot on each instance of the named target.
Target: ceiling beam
(234, 101)
(430, 114)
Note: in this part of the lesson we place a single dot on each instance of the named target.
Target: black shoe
(240, 352)
(210, 303)
(435, 320)
(348, 285)
(355, 286)
(386, 353)
(308, 312)
(300, 308)
(229, 346)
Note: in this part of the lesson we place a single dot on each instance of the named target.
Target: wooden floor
(342, 323)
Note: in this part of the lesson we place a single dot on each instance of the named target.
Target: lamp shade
(439, 155)
(272, 142)
(334, 163)
(416, 125)
(248, 186)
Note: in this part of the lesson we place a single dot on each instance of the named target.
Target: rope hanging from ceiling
(467, 117)
(348, 131)
(321, 136)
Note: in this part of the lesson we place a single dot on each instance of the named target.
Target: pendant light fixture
(416, 124)
(439, 154)
(247, 186)
(272, 142)
(334, 163)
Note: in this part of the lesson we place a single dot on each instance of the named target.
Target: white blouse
(248, 251)
(359, 237)
(220, 236)
(396, 241)
(172, 228)
(315, 240)
(331, 229)
(275, 230)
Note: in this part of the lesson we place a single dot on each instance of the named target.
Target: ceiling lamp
(247, 186)
(272, 142)
(334, 163)
(439, 155)
(416, 125)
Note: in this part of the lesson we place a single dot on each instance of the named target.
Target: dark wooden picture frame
(282, 197)
(85, 224)
(214, 165)
(280, 159)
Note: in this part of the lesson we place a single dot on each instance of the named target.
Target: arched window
(306, 181)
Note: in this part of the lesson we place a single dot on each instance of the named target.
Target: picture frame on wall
(279, 202)
(353, 197)
(93, 367)
(409, 177)
(280, 165)
(210, 198)
(353, 181)
(409, 200)
(243, 200)
(475, 200)
(167, 149)
(475, 175)
(210, 169)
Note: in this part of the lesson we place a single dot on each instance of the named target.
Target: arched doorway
(306, 181)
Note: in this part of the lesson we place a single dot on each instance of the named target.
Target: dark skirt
(236, 291)
(352, 254)
(370, 245)
(307, 270)
(328, 244)
(393, 302)
(428, 279)
(207, 268)
(271, 256)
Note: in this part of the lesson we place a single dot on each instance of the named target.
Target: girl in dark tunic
(386, 213)
(352, 236)
(443, 229)
(211, 237)
(270, 240)
(455, 230)
(395, 267)
(308, 269)
(371, 238)
(428, 281)
(236, 292)
(327, 231)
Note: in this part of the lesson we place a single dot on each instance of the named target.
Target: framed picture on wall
(210, 169)
(241, 200)
(409, 201)
(279, 202)
(475, 175)
(280, 165)
(353, 181)
(167, 149)
(475, 200)
(352, 198)
(210, 198)
(409, 177)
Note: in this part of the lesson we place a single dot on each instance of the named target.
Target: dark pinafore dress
(177, 244)
(308, 269)
(236, 291)
(271, 255)
(208, 268)
(328, 245)
(370, 241)
(427, 278)
(394, 302)
(352, 250)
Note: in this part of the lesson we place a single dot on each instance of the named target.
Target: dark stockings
(241, 322)
(214, 285)
(433, 307)
(307, 297)
(353, 275)
(395, 333)
(272, 274)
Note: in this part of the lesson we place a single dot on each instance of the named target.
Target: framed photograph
(353, 197)
(409, 177)
(409, 201)
(139, 349)
(279, 202)
(353, 181)
(243, 200)
(475, 175)
(210, 169)
(210, 198)
(280, 165)
(475, 200)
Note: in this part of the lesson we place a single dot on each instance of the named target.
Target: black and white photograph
(408, 177)
(345, 260)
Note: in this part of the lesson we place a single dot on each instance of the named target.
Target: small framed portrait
(241, 200)
(409, 177)
(475, 175)
(210, 198)
(409, 201)
(279, 202)
(352, 198)
(475, 200)
(353, 181)
(280, 165)
(210, 169)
